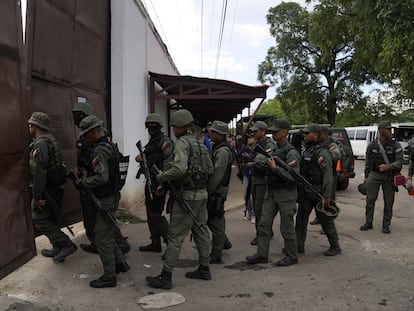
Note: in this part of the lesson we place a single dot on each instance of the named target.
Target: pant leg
(328, 226)
(372, 195)
(264, 228)
(389, 195)
(217, 228)
(201, 235)
(302, 218)
(89, 217)
(157, 223)
(287, 227)
(258, 193)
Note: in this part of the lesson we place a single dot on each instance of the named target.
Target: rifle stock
(144, 167)
(56, 211)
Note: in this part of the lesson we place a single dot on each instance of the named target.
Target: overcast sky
(193, 41)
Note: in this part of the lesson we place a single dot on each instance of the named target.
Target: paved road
(374, 272)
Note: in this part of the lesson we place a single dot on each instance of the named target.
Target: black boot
(65, 251)
(90, 248)
(333, 251)
(227, 244)
(160, 281)
(156, 248)
(366, 226)
(202, 273)
(103, 282)
(49, 252)
(125, 247)
(122, 267)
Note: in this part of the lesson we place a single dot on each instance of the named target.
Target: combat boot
(90, 248)
(366, 226)
(202, 273)
(160, 281)
(227, 244)
(156, 248)
(103, 282)
(122, 267)
(65, 251)
(333, 251)
(49, 252)
(125, 247)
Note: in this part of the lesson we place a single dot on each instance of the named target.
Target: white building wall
(136, 48)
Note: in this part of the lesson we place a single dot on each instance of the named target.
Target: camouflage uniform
(218, 187)
(45, 156)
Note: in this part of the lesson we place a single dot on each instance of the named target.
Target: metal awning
(207, 99)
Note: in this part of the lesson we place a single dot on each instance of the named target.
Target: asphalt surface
(374, 272)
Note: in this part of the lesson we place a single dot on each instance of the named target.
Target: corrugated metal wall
(16, 230)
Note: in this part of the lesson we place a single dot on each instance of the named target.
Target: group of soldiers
(291, 181)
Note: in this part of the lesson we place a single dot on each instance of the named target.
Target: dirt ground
(374, 272)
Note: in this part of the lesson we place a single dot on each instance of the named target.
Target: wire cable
(220, 40)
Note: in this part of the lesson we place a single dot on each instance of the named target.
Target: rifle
(96, 203)
(144, 167)
(332, 211)
(184, 204)
(56, 211)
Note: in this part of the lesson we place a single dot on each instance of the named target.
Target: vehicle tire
(342, 184)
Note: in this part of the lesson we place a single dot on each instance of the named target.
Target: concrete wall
(136, 48)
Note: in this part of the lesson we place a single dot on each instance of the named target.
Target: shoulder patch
(165, 145)
(95, 162)
(293, 164)
(321, 160)
(35, 153)
(332, 148)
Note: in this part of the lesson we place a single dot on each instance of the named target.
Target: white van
(361, 136)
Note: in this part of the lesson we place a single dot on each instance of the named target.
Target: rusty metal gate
(67, 59)
(16, 236)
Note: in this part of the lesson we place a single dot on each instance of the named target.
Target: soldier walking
(189, 174)
(280, 197)
(47, 175)
(218, 187)
(101, 184)
(316, 168)
(84, 159)
(383, 158)
(158, 151)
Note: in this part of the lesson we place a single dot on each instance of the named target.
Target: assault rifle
(183, 203)
(95, 202)
(332, 211)
(56, 210)
(144, 168)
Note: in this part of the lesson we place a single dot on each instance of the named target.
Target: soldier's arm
(222, 158)
(100, 161)
(167, 150)
(325, 163)
(368, 160)
(40, 156)
(179, 165)
(411, 166)
(293, 160)
(399, 158)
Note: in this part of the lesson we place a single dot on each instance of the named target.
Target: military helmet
(331, 212)
(40, 119)
(154, 118)
(362, 188)
(384, 125)
(88, 123)
(181, 118)
(219, 127)
(84, 107)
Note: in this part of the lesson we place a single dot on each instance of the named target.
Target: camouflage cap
(384, 125)
(40, 119)
(312, 128)
(280, 124)
(219, 127)
(88, 123)
(84, 107)
(258, 125)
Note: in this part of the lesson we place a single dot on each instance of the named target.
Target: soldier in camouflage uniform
(316, 168)
(84, 155)
(259, 167)
(47, 175)
(379, 173)
(101, 184)
(218, 187)
(189, 173)
(280, 197)
(329, 143)
(158, 151)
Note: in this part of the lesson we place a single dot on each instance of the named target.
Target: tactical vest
(275, 181)
(198, 171)
(376, 156)
(226, 178)
(112, 185)
(84, 155)
(56, 169)
(310, 168)
(153, 152)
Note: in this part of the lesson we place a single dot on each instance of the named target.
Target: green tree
(272, 107)
(313, 48)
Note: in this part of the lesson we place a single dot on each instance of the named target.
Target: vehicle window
(403, 134)
(361, 134)
(351, 134)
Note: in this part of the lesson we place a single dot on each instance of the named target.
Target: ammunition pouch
(215, 206)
